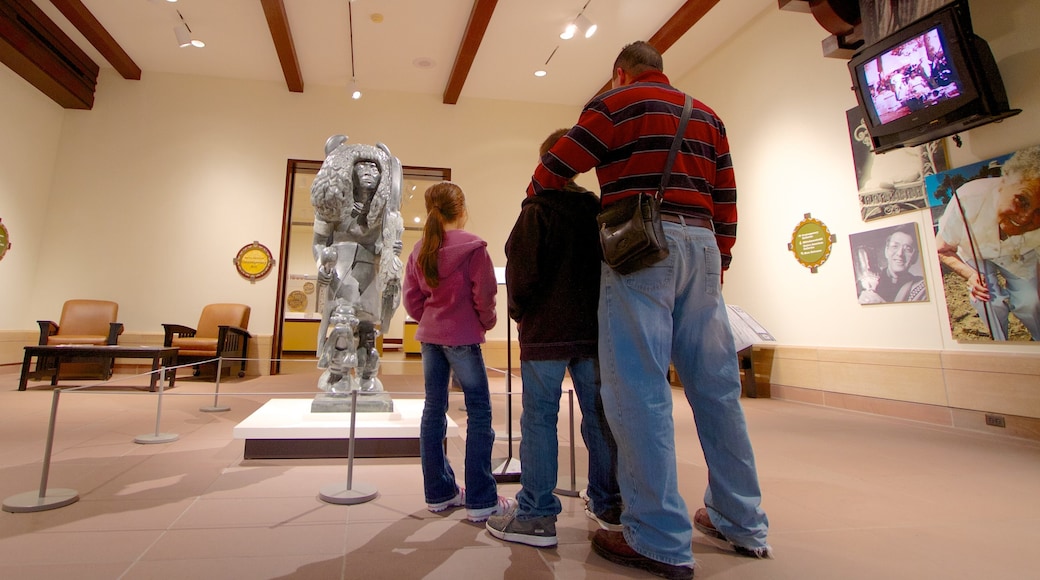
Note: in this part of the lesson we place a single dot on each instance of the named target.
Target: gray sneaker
(539, 532)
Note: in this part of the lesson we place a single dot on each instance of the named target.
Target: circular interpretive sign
(811, 243)
(254, 261)
(5, 240)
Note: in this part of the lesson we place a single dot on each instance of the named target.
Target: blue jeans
(539, 445)
(1018, 297)
(674, 311)
(438, 478)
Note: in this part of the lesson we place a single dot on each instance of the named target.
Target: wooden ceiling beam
(281, 34)
(679, 24)
(95, 33)
(35, 48)
(475, 29)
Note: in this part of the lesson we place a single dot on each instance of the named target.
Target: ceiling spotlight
(540, 73)
(183, 35)
(580, 24)
(355, 92)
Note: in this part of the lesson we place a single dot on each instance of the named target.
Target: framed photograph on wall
(893, 182)
(986, 218)
(887, 265)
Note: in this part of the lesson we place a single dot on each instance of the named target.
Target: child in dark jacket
(552, 279)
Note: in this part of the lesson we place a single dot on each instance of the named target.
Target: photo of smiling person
(887, 264)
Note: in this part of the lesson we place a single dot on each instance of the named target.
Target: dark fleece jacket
(552, 274)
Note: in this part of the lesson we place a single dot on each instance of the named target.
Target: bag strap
(687, 107)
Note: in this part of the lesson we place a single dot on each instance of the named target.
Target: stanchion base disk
(152, 438)
(505, 436)
(30, 501)
(506, 470)
(214, 409)
(339, 494)
(565, 488)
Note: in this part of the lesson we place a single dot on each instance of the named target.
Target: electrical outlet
(995, 420)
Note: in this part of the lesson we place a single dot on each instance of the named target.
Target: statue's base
(379, 402)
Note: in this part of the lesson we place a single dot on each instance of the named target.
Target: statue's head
(367, 175)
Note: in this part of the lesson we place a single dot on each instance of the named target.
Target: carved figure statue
(357, 247)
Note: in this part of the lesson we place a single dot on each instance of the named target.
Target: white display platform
(287, 429)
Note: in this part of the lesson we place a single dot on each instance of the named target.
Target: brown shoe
(702, 522)
(613, 547)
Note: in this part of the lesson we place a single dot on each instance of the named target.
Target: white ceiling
(520, 37)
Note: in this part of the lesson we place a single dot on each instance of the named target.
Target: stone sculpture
(357, 246)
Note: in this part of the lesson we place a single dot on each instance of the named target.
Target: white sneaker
(505, 505)
(458, 501)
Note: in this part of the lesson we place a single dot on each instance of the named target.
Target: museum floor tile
(849, 495)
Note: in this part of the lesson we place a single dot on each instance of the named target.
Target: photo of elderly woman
(887, 265)
(987, 235)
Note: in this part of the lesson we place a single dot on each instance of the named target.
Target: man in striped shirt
(672, 312)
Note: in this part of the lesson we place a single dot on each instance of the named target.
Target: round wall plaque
(254, 261)
(5, 240)
(297, 301)
(811, 243)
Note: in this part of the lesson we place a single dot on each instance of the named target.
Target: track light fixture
(355, 92)
(184, 35)
(581, 23)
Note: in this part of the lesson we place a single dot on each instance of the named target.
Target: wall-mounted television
(930, 79)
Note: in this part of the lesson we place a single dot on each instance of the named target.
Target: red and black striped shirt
(626, 133)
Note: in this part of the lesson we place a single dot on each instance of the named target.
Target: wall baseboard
(966, 419)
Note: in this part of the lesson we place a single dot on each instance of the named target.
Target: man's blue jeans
(674, 312)
(438, 478)
(539, 445)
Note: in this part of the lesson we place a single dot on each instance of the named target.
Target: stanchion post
(508, 469)
(351, 494)
(157, 437)
(215, 407)
(43, 499)
(571, 490)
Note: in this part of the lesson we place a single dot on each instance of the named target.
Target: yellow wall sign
(5, 240)
(811, 243)
(254, 261)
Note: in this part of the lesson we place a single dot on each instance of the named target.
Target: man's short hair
(639, 57)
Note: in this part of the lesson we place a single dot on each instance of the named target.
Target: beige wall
(153, 191)
(146, 198)
(784, 106)
(30, 130)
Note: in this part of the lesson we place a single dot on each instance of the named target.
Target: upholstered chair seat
(221, 332)
(81, 322)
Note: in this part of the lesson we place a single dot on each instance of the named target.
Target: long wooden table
(162, 356)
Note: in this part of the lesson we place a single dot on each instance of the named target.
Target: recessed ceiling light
(423, 62)
(540, 73)
(376, 17)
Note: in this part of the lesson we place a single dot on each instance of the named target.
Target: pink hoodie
(462, 307)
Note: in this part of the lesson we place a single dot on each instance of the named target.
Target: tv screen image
(913, 75)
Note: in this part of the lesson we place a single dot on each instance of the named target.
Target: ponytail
(445, 203)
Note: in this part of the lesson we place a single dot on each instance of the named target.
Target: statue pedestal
(287, 429)
(379, 402)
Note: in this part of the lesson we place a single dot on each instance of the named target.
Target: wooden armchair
(81, 322)
(221, 332)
